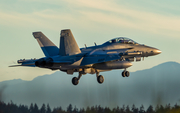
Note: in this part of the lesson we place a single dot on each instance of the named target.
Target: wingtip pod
(37, 34)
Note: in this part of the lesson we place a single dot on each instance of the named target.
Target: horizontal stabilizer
(28, 64)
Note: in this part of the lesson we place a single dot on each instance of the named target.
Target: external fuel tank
(112, 65)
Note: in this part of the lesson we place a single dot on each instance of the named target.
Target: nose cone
(157, 51)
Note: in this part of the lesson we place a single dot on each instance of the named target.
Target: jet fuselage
(118, 53)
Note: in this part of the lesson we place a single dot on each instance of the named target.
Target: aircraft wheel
(100, 79)
(75, 81)
(123, 74)
(127, 73)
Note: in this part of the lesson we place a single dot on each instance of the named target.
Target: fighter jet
(117, 53)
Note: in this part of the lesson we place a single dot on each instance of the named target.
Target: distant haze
(158, 85)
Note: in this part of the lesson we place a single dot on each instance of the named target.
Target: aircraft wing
(99, 56)
(98, 59)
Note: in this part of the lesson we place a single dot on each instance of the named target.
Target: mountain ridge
(157, 85)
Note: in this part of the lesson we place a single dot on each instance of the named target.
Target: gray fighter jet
(117, 53)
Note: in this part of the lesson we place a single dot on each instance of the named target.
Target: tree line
(33, 108)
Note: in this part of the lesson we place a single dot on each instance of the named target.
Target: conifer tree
(69, 108)
(142, 109)
(43, 109)
(134, 109)
(150, 109)
(48, 109)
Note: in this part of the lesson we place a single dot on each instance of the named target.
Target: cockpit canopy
(121, 40)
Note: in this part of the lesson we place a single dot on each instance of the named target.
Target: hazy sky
(154, 23)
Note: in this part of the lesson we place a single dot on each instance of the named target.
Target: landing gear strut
(100, 78)
(75, 80)
(125, 73)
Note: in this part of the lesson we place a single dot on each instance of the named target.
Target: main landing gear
(100, 78)
(75, 80)
(125, 73)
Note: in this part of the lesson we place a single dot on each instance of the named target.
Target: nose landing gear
(75, 81)
(125, 73)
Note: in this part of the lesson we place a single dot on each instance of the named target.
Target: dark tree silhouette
(157, 108)
(31, 108)
(88, 110)
(13, 108)
(58, 110)
(134, 109)
(48, 109)
(36, 109)
(100, 109)
(43, 109)
(150, 109)
(69, 108)
(128, 109)
(122, 110)
(107, 110)
(75, 110)
(82, 110)
(161, 109)
(142, 109)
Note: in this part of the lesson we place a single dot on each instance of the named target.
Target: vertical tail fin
(48, 47)
(68, 45)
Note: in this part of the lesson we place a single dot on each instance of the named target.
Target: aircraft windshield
(121, 40)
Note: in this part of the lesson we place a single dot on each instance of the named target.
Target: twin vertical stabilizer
(68, 45)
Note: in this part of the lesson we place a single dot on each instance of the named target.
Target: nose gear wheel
(125, 74)
(75, 81)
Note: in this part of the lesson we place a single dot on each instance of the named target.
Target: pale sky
(153, 23)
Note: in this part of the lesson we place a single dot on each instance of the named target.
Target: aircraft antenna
(85, 46)
(95, 44)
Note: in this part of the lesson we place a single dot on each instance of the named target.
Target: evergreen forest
(33, 108)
